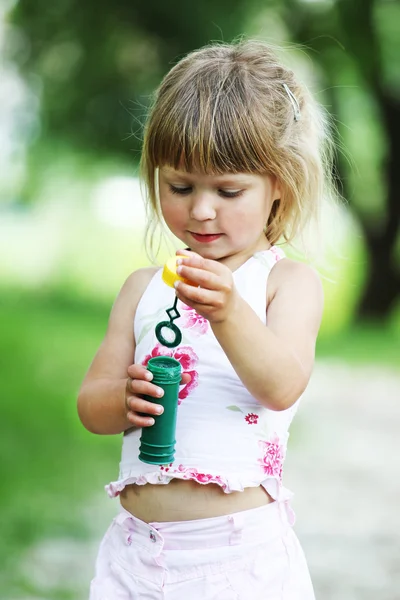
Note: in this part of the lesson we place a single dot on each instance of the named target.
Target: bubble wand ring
(173, 314)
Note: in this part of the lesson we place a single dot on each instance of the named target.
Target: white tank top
(223, 435)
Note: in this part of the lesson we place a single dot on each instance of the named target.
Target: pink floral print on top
(192, 473)
(273, 456)
(190, 319)
(275, 252)
(251, 418)
(188, 359)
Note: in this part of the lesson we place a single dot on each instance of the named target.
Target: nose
(202, 208)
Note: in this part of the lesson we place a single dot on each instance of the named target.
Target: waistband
(246, 527)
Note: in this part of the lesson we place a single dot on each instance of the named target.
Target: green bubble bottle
(157, 442)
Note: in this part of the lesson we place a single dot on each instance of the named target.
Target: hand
(138, 384)
(212, 293)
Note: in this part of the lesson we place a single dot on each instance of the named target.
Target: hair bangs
(208, 132)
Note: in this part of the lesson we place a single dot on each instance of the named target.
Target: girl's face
(221, 217)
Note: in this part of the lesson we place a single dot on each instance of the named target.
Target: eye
(182, 191)
(230, 194)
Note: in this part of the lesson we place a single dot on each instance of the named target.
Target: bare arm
(274, 362)
(102, 405)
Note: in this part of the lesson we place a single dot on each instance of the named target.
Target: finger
(189, 294)
(139, 405)
(185, 378)
(140, 387)
(200, 277)
(186, 253)
(195, 260)
(140, 420)
(139, 372)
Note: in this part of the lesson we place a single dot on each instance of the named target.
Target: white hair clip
(294, 102)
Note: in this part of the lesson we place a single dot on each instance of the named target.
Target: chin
(213, 254)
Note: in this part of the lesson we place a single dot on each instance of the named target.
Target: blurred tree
(98, 62)
(365, 55)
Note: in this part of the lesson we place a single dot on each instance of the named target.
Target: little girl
(235, 158)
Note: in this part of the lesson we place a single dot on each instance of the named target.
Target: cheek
(173, 213)
(256, 213)
(246, 219)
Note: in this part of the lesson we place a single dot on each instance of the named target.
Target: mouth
(205, 238)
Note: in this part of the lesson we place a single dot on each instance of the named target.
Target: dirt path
(345, 469)
(344, 466)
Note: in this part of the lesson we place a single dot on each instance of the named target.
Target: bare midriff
(183, 500)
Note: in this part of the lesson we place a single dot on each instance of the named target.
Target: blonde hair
(226, 108)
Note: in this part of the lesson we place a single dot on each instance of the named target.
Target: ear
(277, 190)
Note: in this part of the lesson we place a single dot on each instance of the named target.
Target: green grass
(50, 464)
(363, 345)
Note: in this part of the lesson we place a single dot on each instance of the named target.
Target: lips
(205, 238)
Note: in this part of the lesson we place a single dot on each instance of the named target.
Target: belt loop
(128, 526)
(237, 522)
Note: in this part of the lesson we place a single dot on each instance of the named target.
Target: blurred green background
(76, 80)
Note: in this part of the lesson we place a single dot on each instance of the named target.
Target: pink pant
(250, 555)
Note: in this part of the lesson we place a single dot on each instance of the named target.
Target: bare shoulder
(117, 349)
(138, 281)
(133, 289)
(294, 310)
(291, 276)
